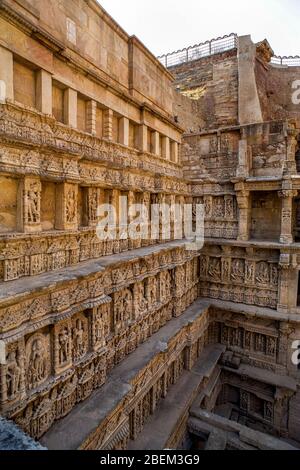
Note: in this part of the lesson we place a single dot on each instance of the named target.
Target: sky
(168, 25)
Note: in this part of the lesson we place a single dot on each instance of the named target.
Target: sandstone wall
(213, 84)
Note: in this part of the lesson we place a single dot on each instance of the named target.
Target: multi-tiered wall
(88, 115)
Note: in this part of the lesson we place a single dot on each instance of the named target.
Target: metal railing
(205, 49)
(290, 61)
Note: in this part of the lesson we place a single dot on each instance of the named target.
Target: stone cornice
(17, 19)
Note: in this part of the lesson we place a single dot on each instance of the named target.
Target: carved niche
(38, 360)
(123, 308)
(63, 346)
(100, 326)
(13, 372)
(80, 336)
(140, 300)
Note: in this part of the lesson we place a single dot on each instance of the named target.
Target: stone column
(243, 200)
(91, 112)
(243, 163)
(286, 235)
(249, 104)
(29, 213)
(166, 148)
(143, 138)
(175, 152)
(291, 146)
(147, 227)
(155, 142)
(108, 115)
(124, 131)
(283, 342)
(6, 74)
(44, 91)
(66, 207)
(70, 107)
(284, 283)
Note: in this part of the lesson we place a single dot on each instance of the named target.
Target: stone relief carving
(37, 360)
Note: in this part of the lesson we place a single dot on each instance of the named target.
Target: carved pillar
(44, 91)
(243, 200)
(115, 204)
(166, 148)
(108, 124)
(66, 207)
(70, 107)
(124, 131)
(291, 146)
(229, 207)
(155, 143)
(29, 217)
(284, 281)
(243, 163)
(283, 342)
(286, 235)
(175, 152)
(161, 201)
(143, 138)
(91, 111)
(146, 228)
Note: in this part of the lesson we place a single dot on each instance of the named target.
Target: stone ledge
(160, 427)
(86, 418)
(252, 310)
(44, 282)
(201, 419)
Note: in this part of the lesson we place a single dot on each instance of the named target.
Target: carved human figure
(214, 270)
(260, 343)
(37, 364)
(263, 273)
(249, 271)
(64, 346)
(238, 270)
(70, 205)
(128, 303)
(140, 300)
(269, 411)
(229, 207)
(244, 400)
(271, 346)
(78, 339)
(13, 376)
(93, 205)
(152, 291)
(248, 336)
(32, 204)
(274, 275)
(219, 207)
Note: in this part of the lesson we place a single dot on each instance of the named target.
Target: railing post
(187, 55)
(210, 48)
(166, 61)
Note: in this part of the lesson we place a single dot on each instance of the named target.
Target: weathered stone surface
(107, 338)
